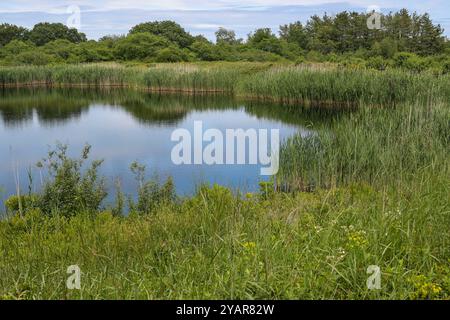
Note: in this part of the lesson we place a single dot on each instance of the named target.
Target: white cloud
(54, 6)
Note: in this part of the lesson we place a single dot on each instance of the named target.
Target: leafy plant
(69, 188)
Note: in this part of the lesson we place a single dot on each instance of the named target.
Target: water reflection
(123, 126)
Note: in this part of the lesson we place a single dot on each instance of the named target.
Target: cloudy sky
(102, 17)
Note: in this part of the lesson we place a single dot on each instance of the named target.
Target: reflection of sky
(120, 139)
(201, 17)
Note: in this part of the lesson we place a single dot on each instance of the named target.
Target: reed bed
(376, 146)
(300, 85)
(282, 84)
(179, 79)
(191, 79)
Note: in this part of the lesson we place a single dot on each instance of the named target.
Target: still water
(126, 126)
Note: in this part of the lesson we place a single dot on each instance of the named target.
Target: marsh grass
(285, 84)
(341, 86)
(372, 145)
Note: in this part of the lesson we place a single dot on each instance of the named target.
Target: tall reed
(298, 85)
(378, 146)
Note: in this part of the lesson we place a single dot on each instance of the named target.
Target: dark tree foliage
(348, 32)
(167, 29)
(295, 33)
(43, 33)
(9, 32)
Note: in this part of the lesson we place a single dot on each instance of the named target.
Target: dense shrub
(411, 62)
(70, 187)
(140, 46)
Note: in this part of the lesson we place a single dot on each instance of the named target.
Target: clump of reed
(272, 246)
(158, 78)
(96, 75)
(299, 85)
(191, 79)
(25, 75)
(379, 146)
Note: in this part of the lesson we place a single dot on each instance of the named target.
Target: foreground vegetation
(216, 245)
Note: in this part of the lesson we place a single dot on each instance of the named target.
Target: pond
(124, 126)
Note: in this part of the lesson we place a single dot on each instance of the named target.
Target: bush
(300, 60)
(16, 47)
(70, 188)
(411, 62)
(254, 55)
(140, 46)
(205, 51)
(36, 58)
(15, 204)
(151, 194)
(446, 67)
(171, 54)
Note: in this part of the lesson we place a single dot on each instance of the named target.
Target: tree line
(344, 36)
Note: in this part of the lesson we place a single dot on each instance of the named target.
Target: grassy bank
(252, 80)
(215, 245)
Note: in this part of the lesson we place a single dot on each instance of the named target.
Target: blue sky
(104, 17)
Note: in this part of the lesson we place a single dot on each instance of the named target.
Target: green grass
(215, 245)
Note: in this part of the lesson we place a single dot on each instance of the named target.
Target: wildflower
(249, 245)
(357, 239)
(424, 289)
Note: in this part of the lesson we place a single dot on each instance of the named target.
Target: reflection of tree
(17, 107)
(15, 116)
(56, 106)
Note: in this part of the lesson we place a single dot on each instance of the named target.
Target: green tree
(43, 33)
(224, 36)
(167, 29)
(9, 32)
(431, 40)
(295, 33)
(264, 39)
